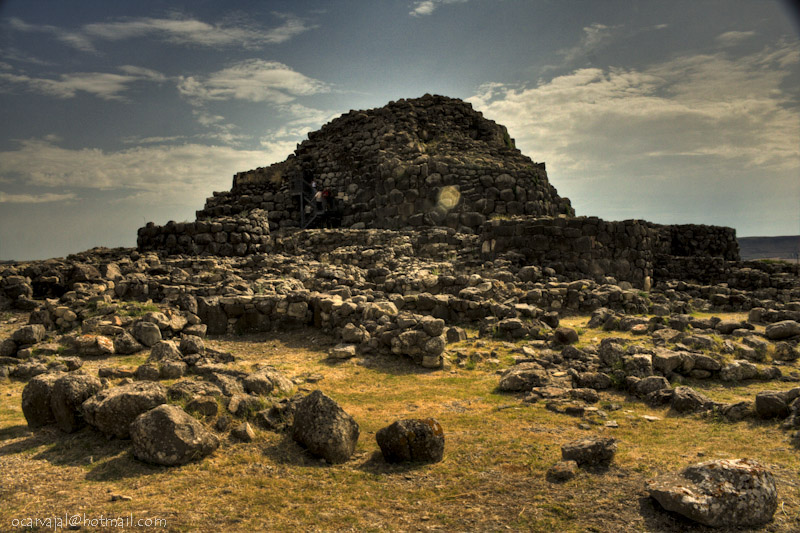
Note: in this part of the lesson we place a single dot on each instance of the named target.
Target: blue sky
(118, 113)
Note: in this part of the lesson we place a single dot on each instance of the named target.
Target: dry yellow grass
(492, 477)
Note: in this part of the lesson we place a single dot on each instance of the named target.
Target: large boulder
(168, 436)
(782, 330)
(721, 493)
(324, 428)
(523, 377)
(36, 400)
(417, 440)
(112, 410)
(68, 393)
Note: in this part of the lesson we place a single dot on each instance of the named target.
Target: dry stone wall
(247, 233)
(635, 251)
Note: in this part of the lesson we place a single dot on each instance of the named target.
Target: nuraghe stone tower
(431, 161)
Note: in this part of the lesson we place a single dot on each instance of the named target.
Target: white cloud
(709, 132)
(6, 198)
(177, 30)
(169, 171)
(731, 38)
(422, 8)
(594, 38)
(73, 39)
(704, 104)
(105, 85)
(253, 80)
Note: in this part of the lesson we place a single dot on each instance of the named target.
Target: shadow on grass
(377, 465)
(122, 466)
(14, 432)
(286, 451)
(79, 449)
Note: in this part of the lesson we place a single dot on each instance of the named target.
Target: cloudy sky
(113, 114)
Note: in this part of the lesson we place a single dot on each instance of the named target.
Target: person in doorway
(318, 201)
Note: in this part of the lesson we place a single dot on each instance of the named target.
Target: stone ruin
(429, 217)
(433, 222)
(434, 162)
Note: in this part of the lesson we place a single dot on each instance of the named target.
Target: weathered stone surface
(415, 440)
(342, 351)
(125, 344)
(167, 435)
(68, 393)
(721, 493)
(590, 452)
(192, 344)
(204, 405)
(112, 410)
(8, 348)
(523, 377)
(562, 471)
(187, 389)
(244, 432)
(564, 335)
(267, 381)
(30, 334)
(782, 330)
(147, 372)
(146, 333)
(36, 400)
(688, 400)
(324, 428)
(164, 351)
(771, 404)
(172, 369)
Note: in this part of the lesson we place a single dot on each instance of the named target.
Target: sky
(113, 114)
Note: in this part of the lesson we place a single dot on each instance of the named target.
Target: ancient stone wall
(247, 233)
(686, 240)
(579, 247)
(635, 251)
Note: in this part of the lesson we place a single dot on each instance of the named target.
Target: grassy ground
(492, 477)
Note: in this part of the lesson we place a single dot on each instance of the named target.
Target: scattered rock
(36, 400)
(168, 436)
(323, 427)
(244, 432)
(414, 440)
(523, 377)
(564, 335)
(782, 330)
(562, 471)
(721, 493)
(68, 393)
(688, 400)
(590, 452)
(112, 410)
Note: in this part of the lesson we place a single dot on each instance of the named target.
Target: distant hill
(786, 247)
